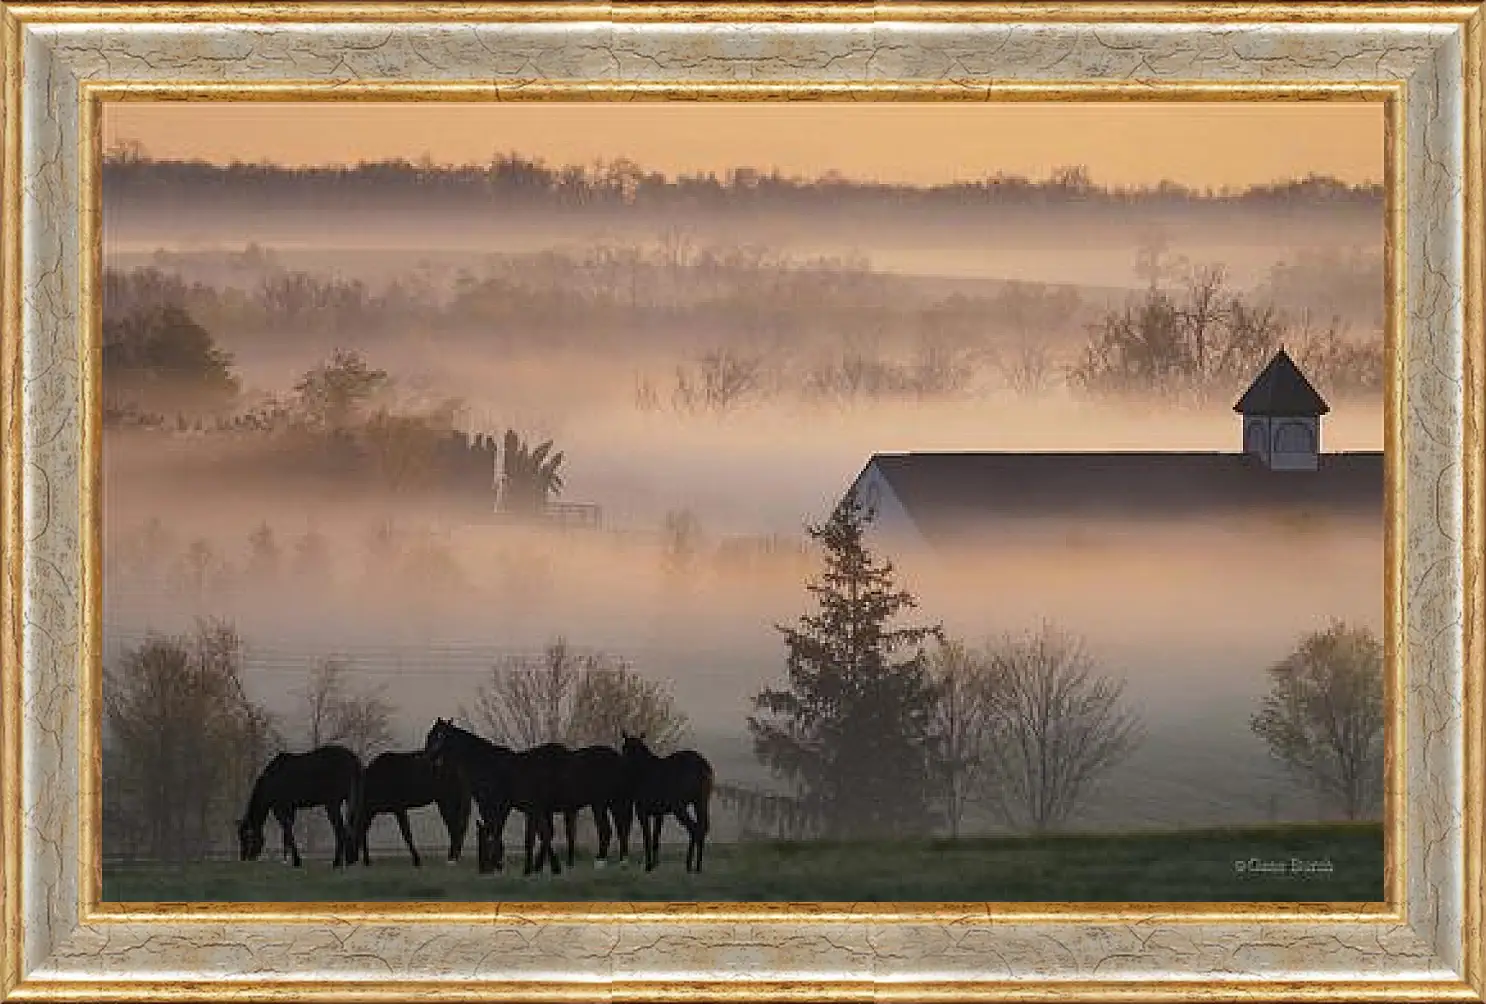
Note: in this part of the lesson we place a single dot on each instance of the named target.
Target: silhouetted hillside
(515, 181)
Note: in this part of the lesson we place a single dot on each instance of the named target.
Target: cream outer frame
(61, 60)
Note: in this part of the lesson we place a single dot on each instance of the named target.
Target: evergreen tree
(853, 731)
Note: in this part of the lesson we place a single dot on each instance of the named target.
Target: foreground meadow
(1184, 866)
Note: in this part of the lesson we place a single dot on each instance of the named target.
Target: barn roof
(1281, 389)
(946, 492)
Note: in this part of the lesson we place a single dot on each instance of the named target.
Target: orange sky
(1121, 143)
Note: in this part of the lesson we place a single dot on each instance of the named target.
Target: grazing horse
(673, 784)
(397, 782)
(502, 780)
(329, 776)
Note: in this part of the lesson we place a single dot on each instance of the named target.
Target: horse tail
(704, 798)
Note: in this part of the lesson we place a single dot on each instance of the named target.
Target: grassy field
(1190, 866)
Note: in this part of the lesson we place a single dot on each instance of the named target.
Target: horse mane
(466, 736)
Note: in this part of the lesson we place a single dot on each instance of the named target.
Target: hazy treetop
(130, 170)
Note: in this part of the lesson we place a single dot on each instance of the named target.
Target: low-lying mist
(424, 594)
(424, 602)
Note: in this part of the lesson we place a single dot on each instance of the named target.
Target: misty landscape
(408, 441)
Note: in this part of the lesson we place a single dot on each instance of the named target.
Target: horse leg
(652, 840)
(484, 855)
(498, 833)
(286, 824)
(547, 833)
(338, 827)
(348, 826)
(361, 829)
(704, 824)
(569, 824)
(531, 836)
(606, 833)
(690, 826)
(456, 813)
(336, 833)
(624, 820)
(407, 835)
(652, 856)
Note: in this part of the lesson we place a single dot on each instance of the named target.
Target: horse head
(437, 740)
(249, 840)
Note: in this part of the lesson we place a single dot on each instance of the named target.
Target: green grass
(1185, 866)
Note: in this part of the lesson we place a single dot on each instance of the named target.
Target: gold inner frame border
(97, 93)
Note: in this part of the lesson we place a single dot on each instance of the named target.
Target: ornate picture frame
(62, 61)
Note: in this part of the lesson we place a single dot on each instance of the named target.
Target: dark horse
(397, 782)
(502, 780)
(596, 778)
(593, 777)
(675, 784)
(329, 776)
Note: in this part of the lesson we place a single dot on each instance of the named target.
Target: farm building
(937, 499)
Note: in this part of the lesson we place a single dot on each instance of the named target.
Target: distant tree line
(652, 296)
(827, 331)
(200, 573)
(130, 174)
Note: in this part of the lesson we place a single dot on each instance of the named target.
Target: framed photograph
(742, 501)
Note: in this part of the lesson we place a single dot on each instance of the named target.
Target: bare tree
(1059, 727)
(337, 713)
(1027, 367)
(858, 371)
(1323, 716)
(1153, 259)
(963, 721)
(940, 367)
(575, 698)
(200, 571)
(526, 701)
(719, 381)
(612, 700)
(1035, 314)
(182, 741)
(681, 536)
(647, 398)
(264, 555)
(364, 724)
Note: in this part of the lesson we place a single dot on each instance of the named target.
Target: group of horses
(456, 767)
